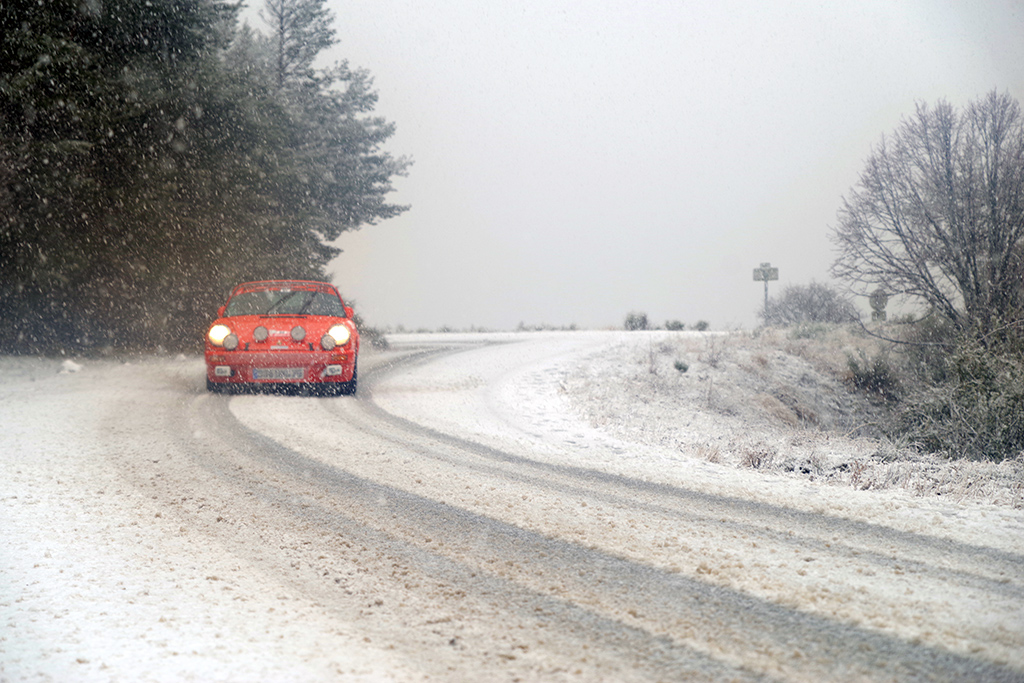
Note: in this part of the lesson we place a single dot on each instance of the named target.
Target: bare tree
(938, 213)
(813, 303)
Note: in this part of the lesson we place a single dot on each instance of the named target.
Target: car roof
(308, 285)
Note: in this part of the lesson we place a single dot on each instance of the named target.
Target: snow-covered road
(459, 520)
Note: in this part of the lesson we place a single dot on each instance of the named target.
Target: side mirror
(221, 311)
(349, 313)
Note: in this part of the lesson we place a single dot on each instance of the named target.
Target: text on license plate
(278, 373)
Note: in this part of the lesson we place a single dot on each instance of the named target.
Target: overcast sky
(575, 161)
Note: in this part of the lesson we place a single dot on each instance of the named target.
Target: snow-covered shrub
(978, 411)
(876, 376)
(813, 303)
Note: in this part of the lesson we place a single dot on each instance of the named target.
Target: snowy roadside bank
(769, 404)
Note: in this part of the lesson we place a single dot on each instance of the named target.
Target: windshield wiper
(282, 300)
(302, 310)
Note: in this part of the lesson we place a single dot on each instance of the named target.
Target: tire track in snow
(559, 636)
(744, 630)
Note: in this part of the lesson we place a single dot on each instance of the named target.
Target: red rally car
(283, 334)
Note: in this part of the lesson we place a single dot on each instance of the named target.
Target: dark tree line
(153, 154)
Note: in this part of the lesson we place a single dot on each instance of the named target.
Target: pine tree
(301, 30)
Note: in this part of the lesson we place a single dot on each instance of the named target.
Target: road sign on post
(765, 273)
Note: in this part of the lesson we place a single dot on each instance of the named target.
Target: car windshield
(285, 302)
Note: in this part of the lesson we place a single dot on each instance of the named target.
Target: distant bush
(371, 335)
(813, 303)
(674, 325)
(636, 321)
(375, 338)
(701, 325)
(541, 327)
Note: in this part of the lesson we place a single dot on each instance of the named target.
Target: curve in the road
(652, 621)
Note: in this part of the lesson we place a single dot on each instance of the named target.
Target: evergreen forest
(154, 154)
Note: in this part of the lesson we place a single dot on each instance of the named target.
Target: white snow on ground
(97, 585)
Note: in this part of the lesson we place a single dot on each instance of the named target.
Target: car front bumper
(292, 367)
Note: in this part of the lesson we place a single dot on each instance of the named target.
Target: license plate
(278, 373)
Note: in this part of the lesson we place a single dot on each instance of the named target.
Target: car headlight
(340, 334)
(217, 334)
(231, 342)
(336, 336)
(260, 333)
(298, 334)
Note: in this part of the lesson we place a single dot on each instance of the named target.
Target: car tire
(221, 387)
(349, 388)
